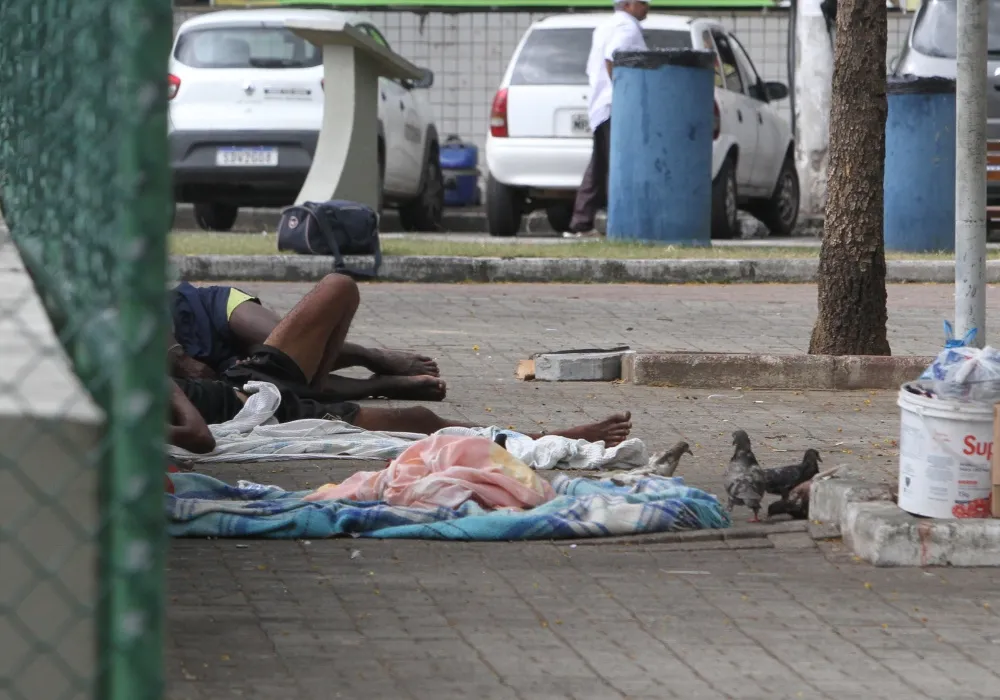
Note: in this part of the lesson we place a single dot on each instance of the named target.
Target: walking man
(620, 32)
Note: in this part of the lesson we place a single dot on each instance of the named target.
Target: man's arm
(187, 428)
(179, 364)
(623, 38)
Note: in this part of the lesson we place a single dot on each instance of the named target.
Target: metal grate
(84, 190)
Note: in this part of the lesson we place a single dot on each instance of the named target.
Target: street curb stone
(452, 269)
(829, 498)
(885, 535)
(763, 371)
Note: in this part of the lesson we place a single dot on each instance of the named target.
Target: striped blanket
(202, 506)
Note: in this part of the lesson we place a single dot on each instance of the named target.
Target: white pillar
(813, 85)
(970, 170)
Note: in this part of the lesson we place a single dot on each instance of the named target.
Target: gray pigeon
(744, 477)
(665, 463)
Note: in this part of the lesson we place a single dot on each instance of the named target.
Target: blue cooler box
(459, 163)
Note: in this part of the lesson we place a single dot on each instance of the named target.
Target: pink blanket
(446, 470)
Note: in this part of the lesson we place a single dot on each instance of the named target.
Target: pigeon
(796, 502)
(665, 463)
(744, 477)
(781, 480)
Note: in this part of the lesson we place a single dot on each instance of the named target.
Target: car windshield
(935, 29)
(559, 56)
(245, 47)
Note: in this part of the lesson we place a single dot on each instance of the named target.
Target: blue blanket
(205, 507)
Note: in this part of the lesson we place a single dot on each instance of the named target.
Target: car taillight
(173, 85)
(716, 121)
(498, 114)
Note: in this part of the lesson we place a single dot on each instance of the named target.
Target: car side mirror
(425, 80)
(775, 91)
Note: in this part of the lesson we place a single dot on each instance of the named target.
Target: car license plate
(246, 157)
(581, 124)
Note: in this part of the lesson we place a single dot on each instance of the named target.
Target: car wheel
(215, 217)
(559, 215)
(503, 208)
(425, 212)
(780, 213)
(725, 223)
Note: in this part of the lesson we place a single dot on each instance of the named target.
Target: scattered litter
(242, 546)
(758, 402)
(355, 553)
(723, 396)
(756, 573)
(572, 546)
(306, 542)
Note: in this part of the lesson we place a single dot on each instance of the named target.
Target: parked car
(540, 142)
(246, 106)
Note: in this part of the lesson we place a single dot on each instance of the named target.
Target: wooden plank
(995, 464)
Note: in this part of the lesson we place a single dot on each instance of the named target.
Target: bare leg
(418, 419)
(419, 388)
(313, 332)
(251, 324)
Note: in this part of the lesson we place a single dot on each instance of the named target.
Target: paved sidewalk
(538, 620)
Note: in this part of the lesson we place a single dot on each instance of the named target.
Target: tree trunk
(852, 298)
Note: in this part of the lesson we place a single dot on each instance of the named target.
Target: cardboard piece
(525, 370)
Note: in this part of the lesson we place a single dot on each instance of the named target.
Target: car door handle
(760, 119)
(401, 106)
(739, 115)
(383, 97)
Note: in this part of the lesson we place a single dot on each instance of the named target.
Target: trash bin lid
(919, 85)
(688, 58)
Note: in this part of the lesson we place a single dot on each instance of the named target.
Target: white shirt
(620, 32)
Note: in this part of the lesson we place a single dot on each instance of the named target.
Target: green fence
(84, 190)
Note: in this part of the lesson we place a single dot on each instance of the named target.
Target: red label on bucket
(975, 447)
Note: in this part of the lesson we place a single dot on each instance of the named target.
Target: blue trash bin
(459, 167)
(660, 182)
(919, 182)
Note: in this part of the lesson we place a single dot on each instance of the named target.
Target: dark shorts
(201, 322)
(298, 400)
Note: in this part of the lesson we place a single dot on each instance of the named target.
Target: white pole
(970, 170)
(813, 86)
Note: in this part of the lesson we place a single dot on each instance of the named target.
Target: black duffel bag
(336, 228)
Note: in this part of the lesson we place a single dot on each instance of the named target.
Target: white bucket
(945, 448)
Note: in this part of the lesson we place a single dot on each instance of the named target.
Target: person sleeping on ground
(296, 357)
(216, 326)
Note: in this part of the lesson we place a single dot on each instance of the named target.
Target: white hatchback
(246, 105)
(539, 142)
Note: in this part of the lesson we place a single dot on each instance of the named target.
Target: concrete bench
(345, 165)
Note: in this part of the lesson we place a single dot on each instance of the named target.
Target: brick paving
(780, 618)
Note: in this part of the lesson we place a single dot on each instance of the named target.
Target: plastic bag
(938, 369)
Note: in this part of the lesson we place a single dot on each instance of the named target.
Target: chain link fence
(85, 197)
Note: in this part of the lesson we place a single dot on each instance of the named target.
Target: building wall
(468, 53)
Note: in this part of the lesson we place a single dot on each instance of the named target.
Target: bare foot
(420, 388)
(402, 364)
(612, 430)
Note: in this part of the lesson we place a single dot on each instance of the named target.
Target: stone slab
(579, 367)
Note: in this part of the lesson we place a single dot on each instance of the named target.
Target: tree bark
(852, 299)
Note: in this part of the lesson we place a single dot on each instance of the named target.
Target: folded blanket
(205, 507)
(254, 436)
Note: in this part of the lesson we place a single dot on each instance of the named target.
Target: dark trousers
(593, 192)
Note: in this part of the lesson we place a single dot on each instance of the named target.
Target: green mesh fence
(84, 191)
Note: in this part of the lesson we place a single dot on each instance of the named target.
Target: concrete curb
(822, 372)
(291, 268)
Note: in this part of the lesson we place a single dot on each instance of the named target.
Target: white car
(246, 105)
(539, 142)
